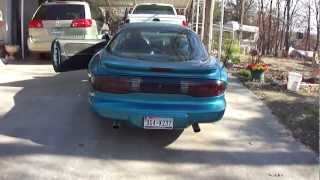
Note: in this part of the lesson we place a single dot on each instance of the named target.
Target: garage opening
(15, 25)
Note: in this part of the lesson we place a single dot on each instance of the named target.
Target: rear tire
(56, 55)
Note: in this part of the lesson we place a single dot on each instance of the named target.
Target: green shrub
(230, 48)
(245, 73)
(235, 60)
(232, 51)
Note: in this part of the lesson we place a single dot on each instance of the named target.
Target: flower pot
(257, 75)
(11, 50)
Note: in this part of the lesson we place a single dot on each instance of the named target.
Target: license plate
(56, 33)
(158, 123)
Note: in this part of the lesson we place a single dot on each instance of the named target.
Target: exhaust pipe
(115, 125)
(196, 127)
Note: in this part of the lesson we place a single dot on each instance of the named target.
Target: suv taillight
(120, 85)
(81, 23)
(36, 24)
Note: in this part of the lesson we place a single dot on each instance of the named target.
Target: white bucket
(294, 81)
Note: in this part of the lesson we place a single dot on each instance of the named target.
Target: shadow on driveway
(53, 113)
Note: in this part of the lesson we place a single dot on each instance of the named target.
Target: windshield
(153, 9)
(157, 44)
(60, 12)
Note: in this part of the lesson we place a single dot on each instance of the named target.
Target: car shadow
(51, 116)
(40, 115)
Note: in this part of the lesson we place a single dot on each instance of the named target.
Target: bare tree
(317, 13)
(241, 19)
(261, 24)
(209, 10)
(287, 35)
(277, 30)
(235, 8)
(307, 43)
(291, 12)
(281, 43)
(270, 34)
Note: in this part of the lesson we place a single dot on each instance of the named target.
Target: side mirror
(106, 37)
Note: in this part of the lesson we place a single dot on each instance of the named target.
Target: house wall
(10, 29)
(5, 6)
(2, 22)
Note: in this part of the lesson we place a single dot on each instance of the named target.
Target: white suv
(63, 20)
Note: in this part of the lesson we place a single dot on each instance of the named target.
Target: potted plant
(257, 67)
(257, 71)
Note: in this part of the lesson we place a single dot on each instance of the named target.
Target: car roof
(154, 25)
(66, 2)
(159, 4)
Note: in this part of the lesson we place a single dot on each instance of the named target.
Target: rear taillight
(184, 23)
(206, 89)
(156, 69)
(111, 84)
(35, 24)
(81, 23)
(193, 88)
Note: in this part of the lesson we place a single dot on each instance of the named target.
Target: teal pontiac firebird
(152, 76)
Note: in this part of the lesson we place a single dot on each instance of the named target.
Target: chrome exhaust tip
(116, 125)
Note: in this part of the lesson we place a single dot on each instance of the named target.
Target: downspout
(22, 30)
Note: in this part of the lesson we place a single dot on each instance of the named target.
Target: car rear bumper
(44, 46)
(39, 46)
(133, 111)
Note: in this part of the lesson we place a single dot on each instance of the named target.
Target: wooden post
(197, 16)
(221, 29)
(208, 28)
(211, 26)
(203, 19)
(241, 20)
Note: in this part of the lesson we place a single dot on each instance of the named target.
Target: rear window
(157, 44)
(153, 9)
(60, 12)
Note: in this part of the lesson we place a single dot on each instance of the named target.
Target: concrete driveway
(47, 131)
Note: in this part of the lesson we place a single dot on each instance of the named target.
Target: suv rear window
(60, 12)
(153, 9)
